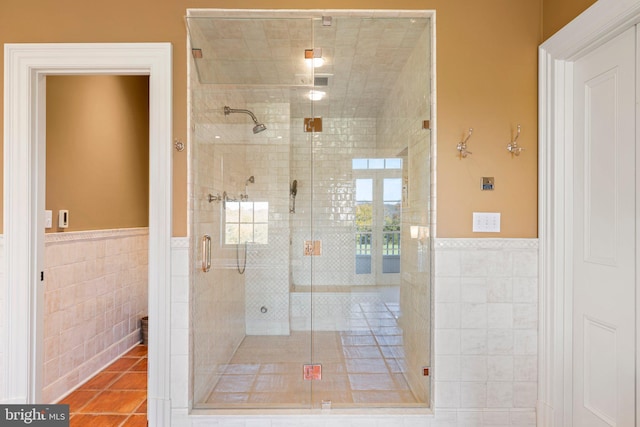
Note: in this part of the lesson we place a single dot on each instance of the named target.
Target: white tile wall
(95, 294)
(500, 391)
(485, 332)
(181, 380)
(328, 182)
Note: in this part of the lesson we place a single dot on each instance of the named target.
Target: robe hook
(513, 147)
(462, 146)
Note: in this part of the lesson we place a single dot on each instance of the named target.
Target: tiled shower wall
(400, 133)
(322, 165)
(486, 317)
(225, 300)
(267, 267)
(95, 295)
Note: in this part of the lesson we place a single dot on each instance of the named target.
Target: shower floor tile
(242, 369)
(355, 366)
(361, 351)
(358, 340)
(372, 382)
(363, 366)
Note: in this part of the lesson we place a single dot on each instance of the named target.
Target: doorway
(561, 58)
(27, 66)
(97, 166)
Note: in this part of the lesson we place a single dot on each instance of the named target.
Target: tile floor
(362, 366)
(115, 397)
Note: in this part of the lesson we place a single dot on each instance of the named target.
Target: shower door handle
(206, 253)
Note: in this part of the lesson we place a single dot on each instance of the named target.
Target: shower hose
(244, 264)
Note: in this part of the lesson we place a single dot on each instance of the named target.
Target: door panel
(604, 236)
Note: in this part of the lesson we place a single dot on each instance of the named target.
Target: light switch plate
(48, 219)
(486, 222)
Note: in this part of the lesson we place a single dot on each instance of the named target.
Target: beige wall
(556, 14)
(76, 21)
(487, 79)
(98, 151)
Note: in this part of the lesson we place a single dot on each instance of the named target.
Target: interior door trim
(601, 22)
(26, 66)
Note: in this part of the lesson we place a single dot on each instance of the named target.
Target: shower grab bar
(206, 253)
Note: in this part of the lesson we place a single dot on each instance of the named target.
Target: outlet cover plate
(488, 183)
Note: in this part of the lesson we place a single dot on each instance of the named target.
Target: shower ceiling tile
(363, 57)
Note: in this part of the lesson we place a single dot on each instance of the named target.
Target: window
(364, 224)
(392, 202)
(378, 206)
(392, 163)
(246, 222)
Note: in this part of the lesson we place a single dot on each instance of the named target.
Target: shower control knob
(263, 309)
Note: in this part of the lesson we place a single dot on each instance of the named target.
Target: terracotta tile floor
(115, 397)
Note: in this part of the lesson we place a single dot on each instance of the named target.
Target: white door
(604, 221)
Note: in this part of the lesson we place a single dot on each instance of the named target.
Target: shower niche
(310, 172)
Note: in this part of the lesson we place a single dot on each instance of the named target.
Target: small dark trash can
(145, 329)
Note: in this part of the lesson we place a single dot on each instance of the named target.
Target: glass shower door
(244, 83)
(370, 269)
(310, 194)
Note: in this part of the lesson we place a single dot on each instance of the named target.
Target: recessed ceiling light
(313, 57)
(315, 62)
(316, 95)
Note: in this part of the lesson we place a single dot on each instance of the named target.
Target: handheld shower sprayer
(249, 180)
(259, 127)
(293, 191)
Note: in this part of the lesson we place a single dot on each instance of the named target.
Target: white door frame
(26, 66)
(603, 21)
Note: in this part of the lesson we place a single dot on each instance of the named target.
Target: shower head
(251, 179)
(259, 127)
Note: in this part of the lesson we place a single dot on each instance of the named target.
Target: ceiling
(363, 57)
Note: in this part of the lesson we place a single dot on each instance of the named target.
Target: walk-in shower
(333, 307)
